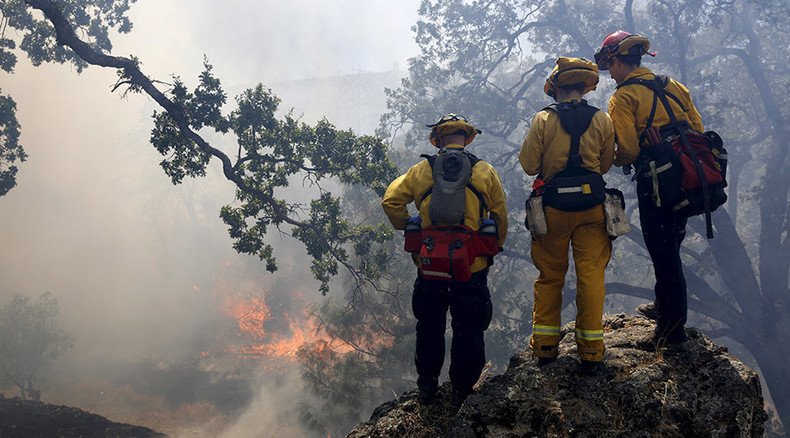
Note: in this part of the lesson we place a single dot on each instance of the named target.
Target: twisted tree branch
(67, 36)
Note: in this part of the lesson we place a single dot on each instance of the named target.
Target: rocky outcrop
(25, 418)
(702, 391)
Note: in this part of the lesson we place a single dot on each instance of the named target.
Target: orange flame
(251, 315)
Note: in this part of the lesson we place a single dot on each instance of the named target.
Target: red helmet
(621, 42)
(615, 38)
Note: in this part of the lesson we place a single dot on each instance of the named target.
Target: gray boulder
(702, 391)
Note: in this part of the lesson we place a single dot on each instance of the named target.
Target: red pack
(698, 145)
(447, 253)
(688, 176)
(688, 169)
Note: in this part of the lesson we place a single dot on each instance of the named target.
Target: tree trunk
(772, 356)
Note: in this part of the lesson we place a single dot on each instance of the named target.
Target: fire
(252, 314)
(287, 346)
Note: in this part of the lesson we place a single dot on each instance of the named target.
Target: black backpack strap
(483, 206)
(473, 159)
(658, 85)
(431, 159)
(663, 80)
(575, 119)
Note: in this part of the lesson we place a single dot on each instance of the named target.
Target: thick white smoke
(95, 221)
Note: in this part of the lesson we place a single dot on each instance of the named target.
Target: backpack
(447, 251)
(574, 188)
(452, 170)
(683, 169)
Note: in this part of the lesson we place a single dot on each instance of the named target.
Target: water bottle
(414, 223)
(488, 227)
(487, 238)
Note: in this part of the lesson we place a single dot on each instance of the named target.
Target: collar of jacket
(454, 146)
(639, 71)
(572, 99)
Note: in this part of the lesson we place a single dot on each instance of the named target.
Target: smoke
(271, 41)
(273, 410)
(134, 260)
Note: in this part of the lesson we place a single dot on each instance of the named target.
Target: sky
(96, 222)
(273, 41)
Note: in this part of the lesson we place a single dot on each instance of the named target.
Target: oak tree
(30, 340)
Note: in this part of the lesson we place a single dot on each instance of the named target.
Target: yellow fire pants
(586, 232)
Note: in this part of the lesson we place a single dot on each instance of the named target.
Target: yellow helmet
(451, 124)
(572, 71)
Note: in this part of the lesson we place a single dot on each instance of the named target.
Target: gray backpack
(452, 170)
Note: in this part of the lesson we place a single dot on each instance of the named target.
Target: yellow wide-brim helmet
(572, 71)
(624, 48)
(451, 124)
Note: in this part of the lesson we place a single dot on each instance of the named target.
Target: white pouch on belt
(616, 219)
(536, 218)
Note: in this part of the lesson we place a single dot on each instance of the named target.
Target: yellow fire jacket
(412, 186)
(630, 107)
(547, 145)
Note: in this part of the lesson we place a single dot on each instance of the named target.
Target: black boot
(458, 397)
(426, 397)
(649, 310)
(675, 342)
(427, 390)
(590, 368)
(543, 361)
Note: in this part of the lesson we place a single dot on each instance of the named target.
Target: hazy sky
(271, 41)
(95, 221)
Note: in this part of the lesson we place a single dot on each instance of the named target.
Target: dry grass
(483, 375)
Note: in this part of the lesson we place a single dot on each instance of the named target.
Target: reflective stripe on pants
(585, 232)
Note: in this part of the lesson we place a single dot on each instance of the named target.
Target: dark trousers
(664, 232)
(470, 309)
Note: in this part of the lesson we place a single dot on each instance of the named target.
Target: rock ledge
(702, 391)
(24, 418)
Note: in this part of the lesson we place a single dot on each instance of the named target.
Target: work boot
(648, 310)
(590, 368)
(426, 397)
(457, 398)
(654, 342)
(428, 387)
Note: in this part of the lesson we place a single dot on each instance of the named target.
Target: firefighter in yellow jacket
(469, 302)
(569, 146)
(633, 108)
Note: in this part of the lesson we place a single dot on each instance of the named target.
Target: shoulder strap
(664, 81)
(472, 158)
(431, 159)
(658, 85)
(575, 119)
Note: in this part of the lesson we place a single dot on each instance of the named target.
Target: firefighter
(469, 302)
(631, 107)
(578, 221)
